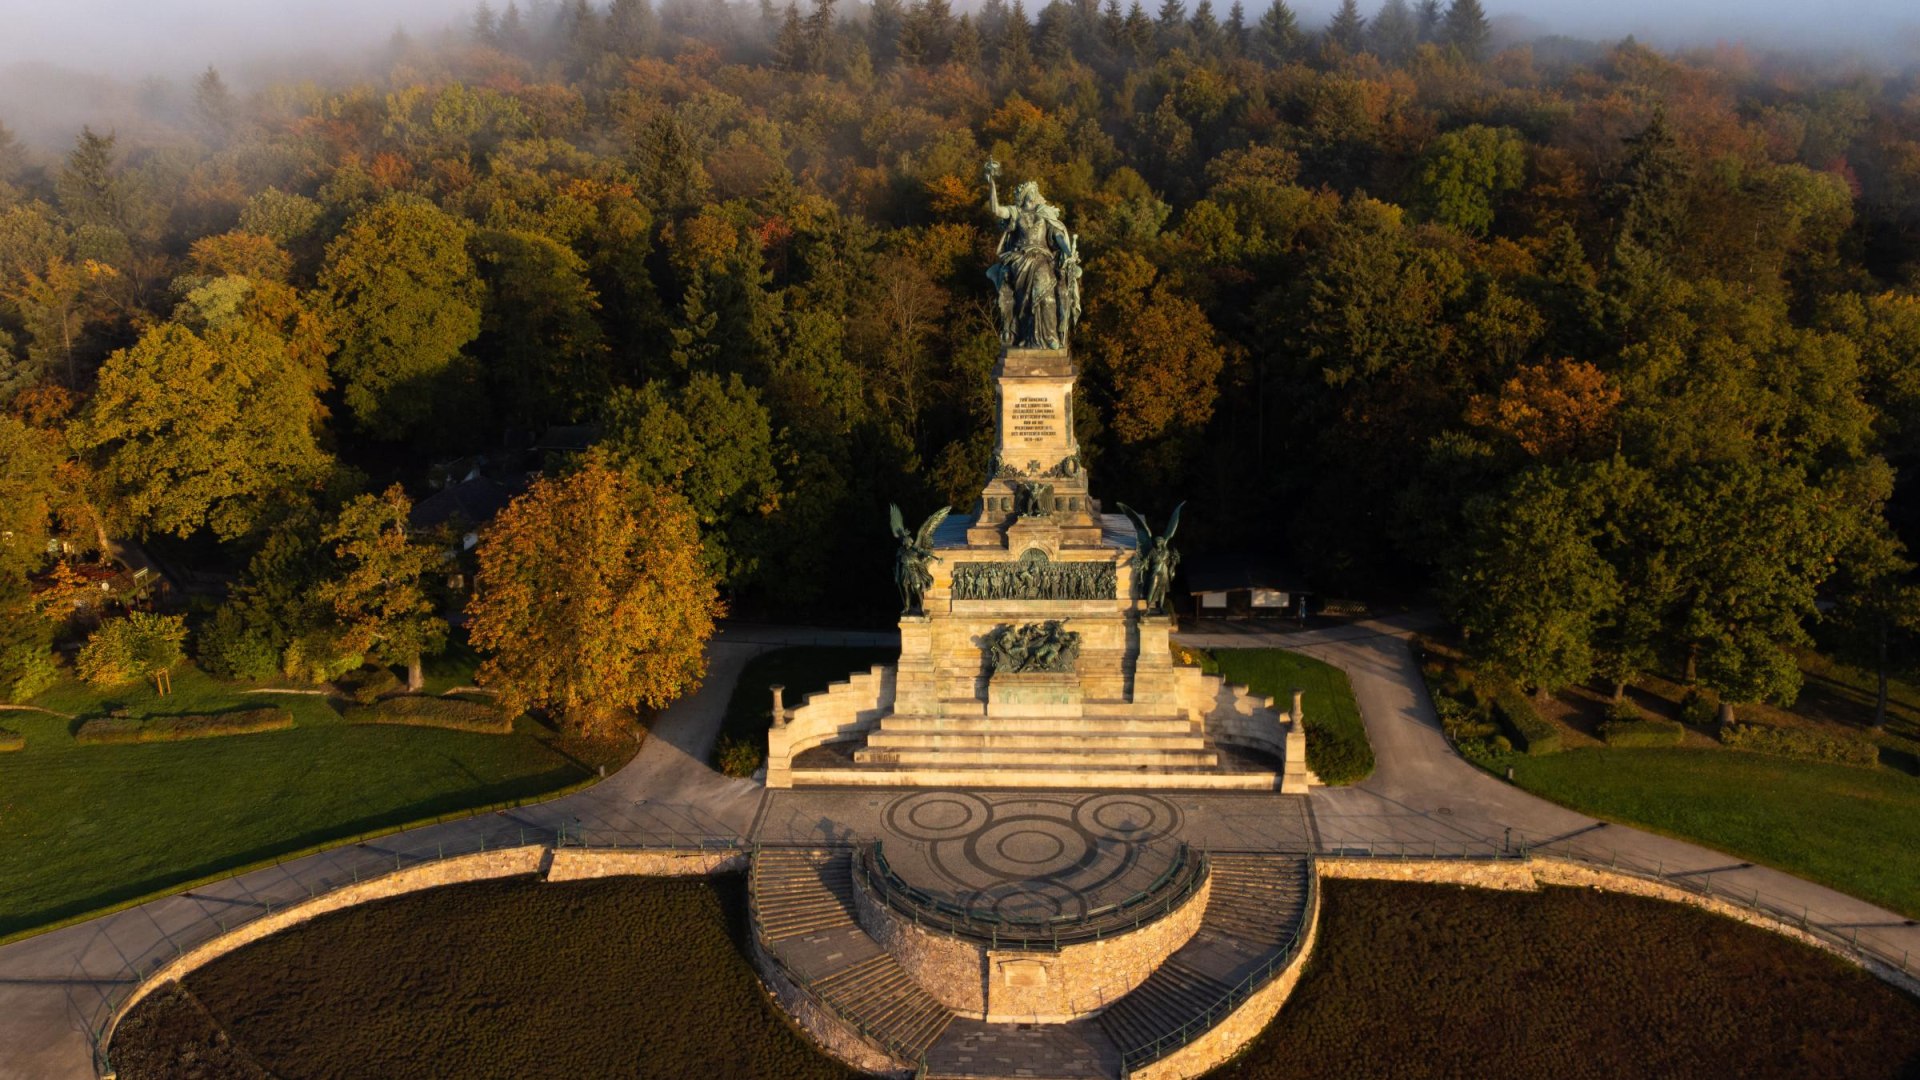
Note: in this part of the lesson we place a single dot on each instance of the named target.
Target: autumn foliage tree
(593, 599)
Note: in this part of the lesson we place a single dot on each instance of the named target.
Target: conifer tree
(1466, 28)
(1427, 15)
(1016, 41)
(1139, 32)
(631, 27)
(1394, 34)
(1348, 28)
(1204, 28)
(966, 42)
(1277, 38)
(1237, 35)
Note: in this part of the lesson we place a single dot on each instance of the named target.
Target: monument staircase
(806, 924)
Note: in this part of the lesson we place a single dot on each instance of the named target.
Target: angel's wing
(1173, 523)
(1141, 533)
(925, 537)
(899, 523)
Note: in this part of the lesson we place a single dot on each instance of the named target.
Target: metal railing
(1132, 1058)
(1175, 885)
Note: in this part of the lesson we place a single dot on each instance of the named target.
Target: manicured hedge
(11, 741)
(453, 714)
(1642, 732)
(113, 730)
(1530, 733)
(1800, 743)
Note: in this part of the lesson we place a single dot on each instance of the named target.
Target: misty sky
(132, 38)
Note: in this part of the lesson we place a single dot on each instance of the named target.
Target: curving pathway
(54, 988)
(1423, 794)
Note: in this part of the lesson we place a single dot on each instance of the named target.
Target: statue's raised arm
(993, 191)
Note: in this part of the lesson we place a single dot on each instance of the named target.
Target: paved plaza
(54, 987)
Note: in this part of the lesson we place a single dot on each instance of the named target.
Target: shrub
(738, 757)
(1461, 721)
(454, 714)
(229, 648)
(317, 658)
(114, 730)
(369, 685)
(1631, 733)
(131, 648)
(1699, 708)
(25, 670)
(11, 741)
(1800, 743)
(1524, 725)
(1199, 658)
(1624, 711)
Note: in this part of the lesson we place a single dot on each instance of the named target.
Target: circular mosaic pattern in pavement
(1024, 856)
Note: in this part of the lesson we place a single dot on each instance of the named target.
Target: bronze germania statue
(1155, 558)
(1037, 268)
(910, 561)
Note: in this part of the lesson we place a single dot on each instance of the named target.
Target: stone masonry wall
(1511, 875)
(824, 1029)
(1038, 986)
(575, 864)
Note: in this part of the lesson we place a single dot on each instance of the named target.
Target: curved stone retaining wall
(575, 864)
(459, 869)
(1239, 1027)
(819, 1024)
(1537, 870)
(1045, 986)
(565, 864)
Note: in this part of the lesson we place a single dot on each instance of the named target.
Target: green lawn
(87, 827)
(1856, 830)
(1337, 747)
(803, 670)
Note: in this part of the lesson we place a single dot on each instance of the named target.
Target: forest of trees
(1617, 351)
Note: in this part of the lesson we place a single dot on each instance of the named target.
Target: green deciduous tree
(712, 442)
(135, 647)
(203, 427)
(404, 300)
(378, 590)
(1530, 583)
(1465, 172)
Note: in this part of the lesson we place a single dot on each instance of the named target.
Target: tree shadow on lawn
(503, 791)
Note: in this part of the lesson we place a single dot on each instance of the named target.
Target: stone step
(801, 892)
(1170, 998)
(1016, 739)
(1129, 725)
(1063, 758)
(880, 998)
(946, 775)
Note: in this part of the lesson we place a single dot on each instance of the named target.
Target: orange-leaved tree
(592, 599)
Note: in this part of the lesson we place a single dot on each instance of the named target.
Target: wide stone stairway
(804, 916)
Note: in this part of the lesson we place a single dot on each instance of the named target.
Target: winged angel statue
(1155, 558)
(910, 571)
